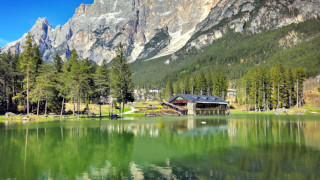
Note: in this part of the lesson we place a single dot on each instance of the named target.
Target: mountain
(95, 30)
(240, 35)
(151, 29)
(174, 37)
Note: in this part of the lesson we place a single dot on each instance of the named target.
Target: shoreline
(70, 119)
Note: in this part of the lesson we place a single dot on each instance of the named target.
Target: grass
(146, 103)
(307, 110)
(69, 118)
(69, 107)
(105, 109)
(134, 115)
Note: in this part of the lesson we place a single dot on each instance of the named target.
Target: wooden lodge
(187, 104)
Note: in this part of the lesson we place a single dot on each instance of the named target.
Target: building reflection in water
(178, 149)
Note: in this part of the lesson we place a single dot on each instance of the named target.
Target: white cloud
(3, 42)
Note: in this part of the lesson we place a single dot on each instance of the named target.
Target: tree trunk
(38, 107)
(7, 96)
(13, 91)
(112, 107)
(28, 67)
(74, 106)
(297, 93)
(264, 98)
(109, 108)
(245, 100)
(24, 106)
(46, 107)
(100, 109)
(255, 98)
(122, 108)
(62, 107)
(278, 97)
(79, 103)
(290, 98)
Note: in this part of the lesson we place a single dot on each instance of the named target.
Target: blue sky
(18, 16)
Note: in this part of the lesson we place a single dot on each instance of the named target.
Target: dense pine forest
(29, 85)
(265, 89)
(199, 83)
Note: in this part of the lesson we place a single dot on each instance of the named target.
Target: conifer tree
(121, 83)
(202, 84)
(101, 79)
(221, 85)
(193, 84)
(169, 89)
(27, 65)
(209, 83)
(44, 87)
(57, 63)
(300, 75)
(36, 58)
(187, 85)
(69, 78)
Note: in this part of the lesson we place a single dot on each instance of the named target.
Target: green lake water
(228, 147)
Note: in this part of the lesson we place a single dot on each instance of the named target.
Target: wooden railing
(211, 111)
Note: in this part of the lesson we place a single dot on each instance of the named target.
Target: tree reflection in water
(232, 147)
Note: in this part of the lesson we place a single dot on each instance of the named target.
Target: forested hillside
(236, 53)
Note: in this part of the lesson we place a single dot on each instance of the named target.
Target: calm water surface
(232, 147)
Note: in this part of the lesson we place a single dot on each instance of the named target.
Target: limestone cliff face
(95, 30)
(250, 17)
(154, 28)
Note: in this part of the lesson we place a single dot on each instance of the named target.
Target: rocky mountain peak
(82, 9)
(41, 25)
(155, 28)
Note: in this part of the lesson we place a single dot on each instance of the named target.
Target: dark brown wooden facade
(198, 105)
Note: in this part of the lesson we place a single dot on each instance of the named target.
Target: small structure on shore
(187, 104)
(318, 78)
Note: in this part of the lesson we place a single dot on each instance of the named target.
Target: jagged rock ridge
(154, 28)
(95, 30)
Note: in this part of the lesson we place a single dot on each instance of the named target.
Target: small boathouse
(187, 104)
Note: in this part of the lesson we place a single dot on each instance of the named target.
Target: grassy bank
(237, 111)
(93, 108)
(134, 115)
(306, 110)
(2, 118)
(105, 109)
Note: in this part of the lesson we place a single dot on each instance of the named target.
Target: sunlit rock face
(250, 17)
(155, 28)
(95, 30)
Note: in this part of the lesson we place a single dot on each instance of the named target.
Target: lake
(225, 147)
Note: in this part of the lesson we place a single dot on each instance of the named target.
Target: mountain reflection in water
(234, 147)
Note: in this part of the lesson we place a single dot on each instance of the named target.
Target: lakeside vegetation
(199, 83)
(256, 65)
(29, 85)
(263, 89)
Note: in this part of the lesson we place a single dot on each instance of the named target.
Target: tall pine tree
(121, 83)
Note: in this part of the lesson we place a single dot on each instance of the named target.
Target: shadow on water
(241, 147)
